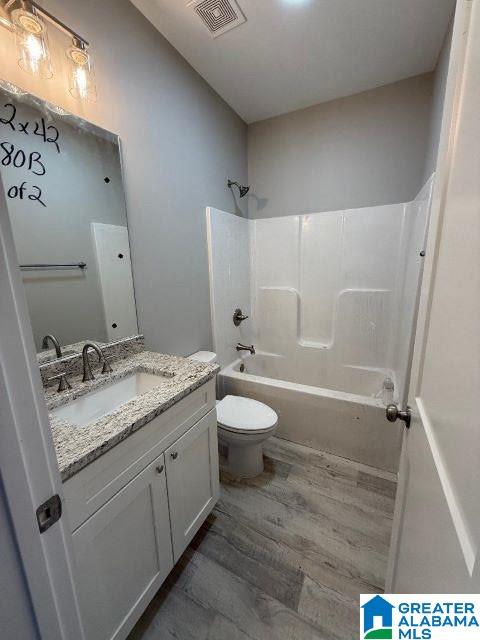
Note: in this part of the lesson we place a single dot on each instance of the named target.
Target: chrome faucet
(243, 347)
(54, 341)
(87, 369)
(63, 383)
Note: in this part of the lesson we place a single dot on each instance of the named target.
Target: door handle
(393, 414)
(159, 469)
(174, 455)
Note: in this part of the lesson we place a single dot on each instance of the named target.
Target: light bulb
(80, 79)
(34, 49)
(82, 75)
(32, 46)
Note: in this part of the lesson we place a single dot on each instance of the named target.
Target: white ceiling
(291, 54)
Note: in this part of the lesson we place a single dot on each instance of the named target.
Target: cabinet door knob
(159, 469)
(174, 455)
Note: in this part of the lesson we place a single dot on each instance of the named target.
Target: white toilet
(243, 425)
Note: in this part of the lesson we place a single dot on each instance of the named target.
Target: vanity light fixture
(32, 43)
(81, 75)
(28, 20)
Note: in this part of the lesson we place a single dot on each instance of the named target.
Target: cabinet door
(192, 477)
(123, 553)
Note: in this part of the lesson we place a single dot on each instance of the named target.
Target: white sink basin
(93, 406)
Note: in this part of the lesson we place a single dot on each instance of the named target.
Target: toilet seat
(244, 415)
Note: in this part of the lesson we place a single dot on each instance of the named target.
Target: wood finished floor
(283, 556)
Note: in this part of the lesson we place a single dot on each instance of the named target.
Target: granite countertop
(77, 446)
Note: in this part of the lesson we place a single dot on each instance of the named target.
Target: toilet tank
(204, 356)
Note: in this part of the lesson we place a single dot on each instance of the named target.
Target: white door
(28, 470)
(123, 554)
(437, 536)
(193, 483)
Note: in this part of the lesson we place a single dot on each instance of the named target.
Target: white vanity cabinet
(134, 510)
(123, 553)
(192, 477)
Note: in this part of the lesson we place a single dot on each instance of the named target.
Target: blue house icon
(377, 607)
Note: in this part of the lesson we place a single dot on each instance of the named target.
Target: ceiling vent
(219, 16)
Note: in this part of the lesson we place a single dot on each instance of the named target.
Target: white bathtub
(349, 425)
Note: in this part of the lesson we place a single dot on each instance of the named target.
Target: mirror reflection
(62, 179)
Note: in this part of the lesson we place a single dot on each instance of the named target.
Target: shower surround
(331, 298)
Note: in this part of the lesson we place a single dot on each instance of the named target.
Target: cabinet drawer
(94, 485)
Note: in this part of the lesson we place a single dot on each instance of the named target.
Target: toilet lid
(236, 413)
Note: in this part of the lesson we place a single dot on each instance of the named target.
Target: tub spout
(243, 347)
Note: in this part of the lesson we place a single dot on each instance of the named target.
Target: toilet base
(242, 455)
(244, 462)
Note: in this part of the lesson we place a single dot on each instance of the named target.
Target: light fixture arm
(58, 23)
(7, 6)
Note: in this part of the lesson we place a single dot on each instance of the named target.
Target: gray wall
(180, 143)
(439, 87)
(367, 149)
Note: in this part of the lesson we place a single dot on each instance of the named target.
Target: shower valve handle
(238, 317)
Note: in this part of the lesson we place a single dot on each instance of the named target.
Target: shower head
(242, 189)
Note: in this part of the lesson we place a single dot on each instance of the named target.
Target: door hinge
(49, 512)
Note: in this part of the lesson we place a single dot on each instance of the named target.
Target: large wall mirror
(62, 178)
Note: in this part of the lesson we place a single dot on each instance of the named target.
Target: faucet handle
(107, 367)
(63, 383)
(238, 317)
